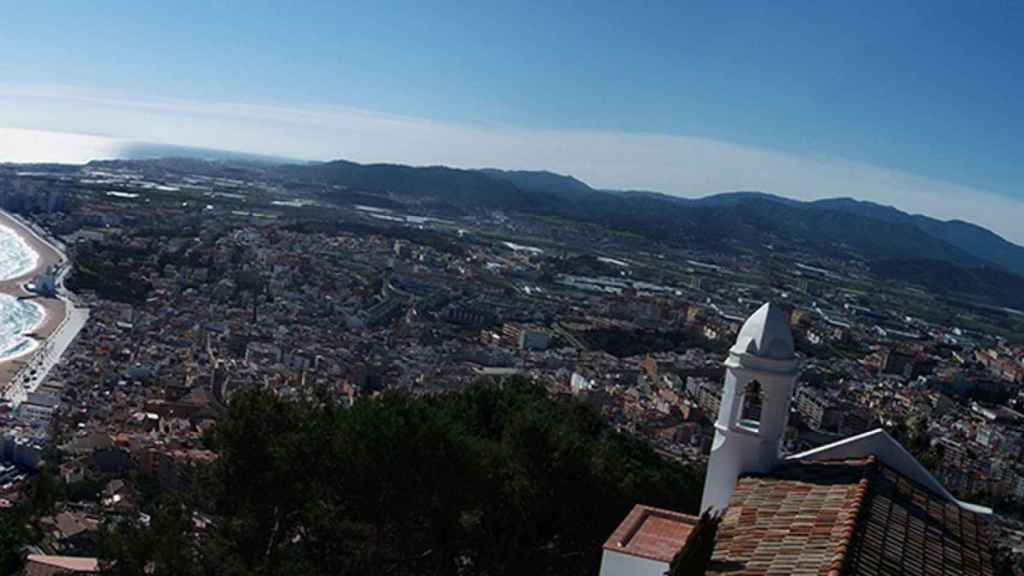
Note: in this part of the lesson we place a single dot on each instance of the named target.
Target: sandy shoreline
(54, 308)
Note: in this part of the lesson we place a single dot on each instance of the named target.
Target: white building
(643, 545)
(580, 383)
(847, 508)
(45, 283)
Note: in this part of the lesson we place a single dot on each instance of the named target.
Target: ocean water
(16, 257)
(29, 146)
(34, 146)
(17, 317)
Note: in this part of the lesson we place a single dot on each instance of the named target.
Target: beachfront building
(45, 283)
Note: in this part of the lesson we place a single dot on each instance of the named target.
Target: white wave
(18, 318)
(17, 258)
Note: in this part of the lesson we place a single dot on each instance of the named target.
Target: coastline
(55, 310)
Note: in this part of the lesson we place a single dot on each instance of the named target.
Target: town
(201, 283)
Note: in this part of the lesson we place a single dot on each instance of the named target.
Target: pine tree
(44, 492)
(694, 557)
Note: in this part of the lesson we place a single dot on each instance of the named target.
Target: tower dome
(766, 334)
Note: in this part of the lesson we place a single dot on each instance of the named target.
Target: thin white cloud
(680, 165)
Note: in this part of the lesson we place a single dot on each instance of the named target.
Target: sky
(912, 104)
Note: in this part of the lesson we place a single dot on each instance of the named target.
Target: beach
(55, 309)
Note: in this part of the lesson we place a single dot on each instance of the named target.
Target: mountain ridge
(747, 220)
(968, 237)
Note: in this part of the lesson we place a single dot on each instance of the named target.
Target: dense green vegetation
(13, 536)
(112, 272)
(490, 480)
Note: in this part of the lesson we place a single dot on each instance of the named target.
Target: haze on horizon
(912, 105)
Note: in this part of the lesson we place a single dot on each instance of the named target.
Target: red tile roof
(799, 520)
(904, 529)
(855, 517)
(651, 533)
(43, 565)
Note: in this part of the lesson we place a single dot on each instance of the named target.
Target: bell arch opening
(750, 405)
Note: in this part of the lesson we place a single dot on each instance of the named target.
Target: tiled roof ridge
(867, 463)
(849, 527)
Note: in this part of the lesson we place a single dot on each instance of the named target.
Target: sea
(22, 146)
(18, 318)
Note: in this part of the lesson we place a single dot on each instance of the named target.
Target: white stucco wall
(618, 564)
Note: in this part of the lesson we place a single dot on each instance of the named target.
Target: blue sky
(927, 92)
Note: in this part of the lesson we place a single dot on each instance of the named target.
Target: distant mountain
(986, 283)
(721, 199)
(840, 227)
(971, 243)
(150, 151)
(976, 240)
(754, 219)
(438, 185)
(971, 238)
(864, 208)
(565, 187)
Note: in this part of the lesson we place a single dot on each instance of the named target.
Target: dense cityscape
(519, 288)
(203, 281)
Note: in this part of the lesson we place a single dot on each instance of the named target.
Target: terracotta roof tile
(907, 530)
(651, 533)
(43, 565)
(854, 517)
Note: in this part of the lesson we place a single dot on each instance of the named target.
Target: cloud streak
(681, 165)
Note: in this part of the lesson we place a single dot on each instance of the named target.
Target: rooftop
(854, 517)
(651, 533)
(45, 565)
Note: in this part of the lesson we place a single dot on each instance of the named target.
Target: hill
(985, 283)
(435, 185)
(970, 242)
(490, 480)
(564, 187)
(742, 219)
(971, 238)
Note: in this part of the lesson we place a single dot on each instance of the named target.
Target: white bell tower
(761, 373)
